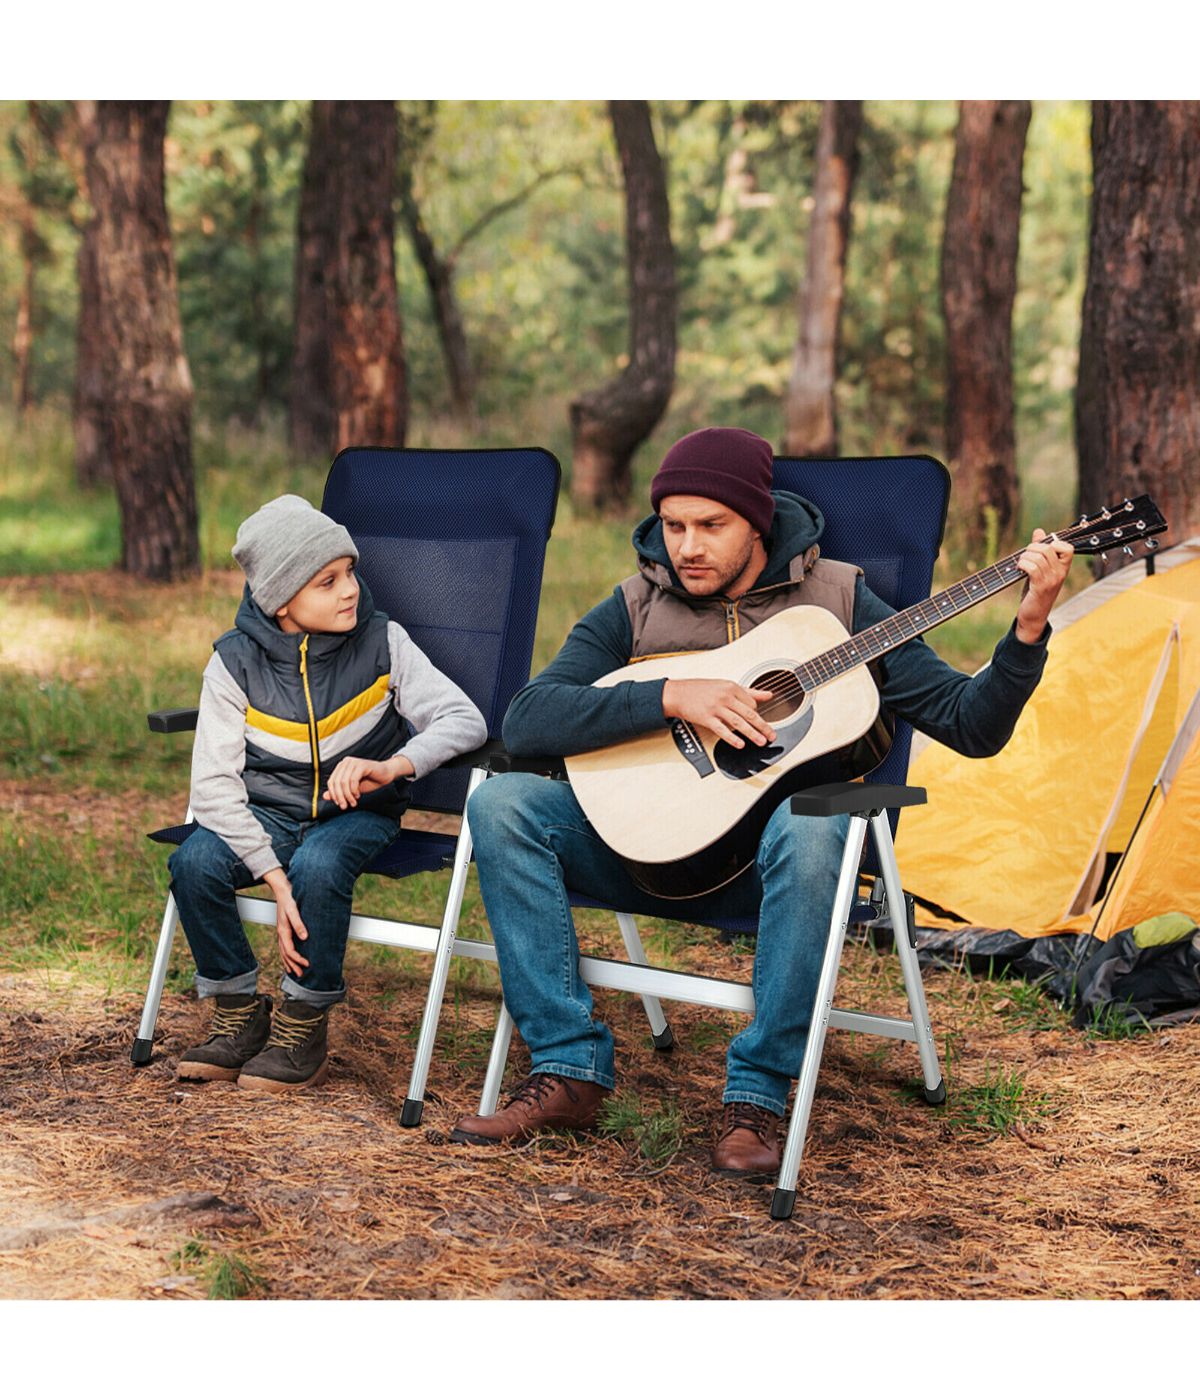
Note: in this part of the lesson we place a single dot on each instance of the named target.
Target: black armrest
(172, 721)
(549, 765)
(478, 758)
(855, 798)
(497, 759)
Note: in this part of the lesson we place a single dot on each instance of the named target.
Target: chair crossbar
(610, 974)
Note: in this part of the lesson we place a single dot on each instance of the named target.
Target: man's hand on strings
(728, 709)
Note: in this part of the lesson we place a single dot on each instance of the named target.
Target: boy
(315, 713)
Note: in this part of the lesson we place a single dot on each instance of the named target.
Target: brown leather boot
(747, 1142)
(541, 1101)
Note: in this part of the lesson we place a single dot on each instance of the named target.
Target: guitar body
(685, 810)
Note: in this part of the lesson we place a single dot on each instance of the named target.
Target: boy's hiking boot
(240, 1027)
(541, 1101)
(296, 1055)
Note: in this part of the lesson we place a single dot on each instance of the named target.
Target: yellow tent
(1089, 820)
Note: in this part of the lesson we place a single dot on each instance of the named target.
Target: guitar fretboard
(903, 626)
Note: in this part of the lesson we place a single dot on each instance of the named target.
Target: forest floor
(1061, 1165)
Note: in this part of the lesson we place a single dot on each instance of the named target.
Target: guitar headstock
(1117, 527)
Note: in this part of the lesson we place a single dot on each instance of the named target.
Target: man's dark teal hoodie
(561, 712)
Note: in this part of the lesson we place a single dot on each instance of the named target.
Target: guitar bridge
(689, 745)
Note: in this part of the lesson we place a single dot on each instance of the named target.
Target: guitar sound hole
(788, 695)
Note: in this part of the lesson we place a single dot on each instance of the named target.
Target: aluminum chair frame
(868, 804)
(868, 810)
(440, 940)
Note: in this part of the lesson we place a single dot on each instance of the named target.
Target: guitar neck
(902, 627)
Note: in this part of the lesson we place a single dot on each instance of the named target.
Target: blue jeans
(532, 841)
(322, 860)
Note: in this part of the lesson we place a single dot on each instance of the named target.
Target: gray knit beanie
(282, 545)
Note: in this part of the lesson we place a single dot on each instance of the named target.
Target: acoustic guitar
(685, 810)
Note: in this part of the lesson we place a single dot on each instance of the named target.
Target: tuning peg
(1106, 514)
(1127, 549)
(1104, 556)
(1150, 544)
(1128, 504)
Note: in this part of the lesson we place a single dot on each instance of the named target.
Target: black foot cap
(410, 1114)
(782, 1204)
(140, 1054)
(936, 1096)
(665, 1041)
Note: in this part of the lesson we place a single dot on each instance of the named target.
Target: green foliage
(999, 1102)
(233, 181)
(525, 199)
(225, 1275)
(1116, 1022)
(656, 1135)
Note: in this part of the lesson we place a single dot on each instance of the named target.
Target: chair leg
(664, 1038)
(144, 1043)
(496, 1062)
(414, 1098)
(935, 1088)
(783, 1198)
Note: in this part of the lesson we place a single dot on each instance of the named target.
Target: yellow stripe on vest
(331, 724)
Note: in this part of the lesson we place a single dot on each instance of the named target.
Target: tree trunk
(366, 348)
(811, 416)
(979, 284)
(311, 421)
(147, 386)
(1137, 403)
(93, 445)
(439, 274)
(609, 423)
(22, 343)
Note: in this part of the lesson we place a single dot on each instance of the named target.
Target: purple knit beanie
(729, 465)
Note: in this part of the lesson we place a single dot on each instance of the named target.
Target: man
(722, 554)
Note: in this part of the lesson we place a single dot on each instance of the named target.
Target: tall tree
(609, 423)
(311, 419)
(979, 285)
(1137, 403)
(366, 347)
(147, 386)
(811, 416)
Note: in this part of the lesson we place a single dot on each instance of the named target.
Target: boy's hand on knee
(355, 776)
(288, 923)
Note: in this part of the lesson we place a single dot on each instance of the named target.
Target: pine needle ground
(112, 1179)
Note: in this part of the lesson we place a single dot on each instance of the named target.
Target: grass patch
(1000, 1102)
(1116, 1022)
(225, 1276)
(656, 1135)
(1027, 1006)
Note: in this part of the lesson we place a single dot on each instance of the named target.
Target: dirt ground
(124, 1183)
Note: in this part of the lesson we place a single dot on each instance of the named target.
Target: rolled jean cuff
(758, 1100)
(293, 989)
(244, 983)
(589, 1076)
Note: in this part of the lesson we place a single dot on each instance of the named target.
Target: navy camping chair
(887, 515)
(452, 546)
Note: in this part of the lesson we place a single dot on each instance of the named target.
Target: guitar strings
(794, 688)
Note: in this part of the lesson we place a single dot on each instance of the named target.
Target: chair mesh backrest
(887, 515)
(451, 545)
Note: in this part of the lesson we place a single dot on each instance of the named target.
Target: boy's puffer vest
(666, 619)
(314, 699)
